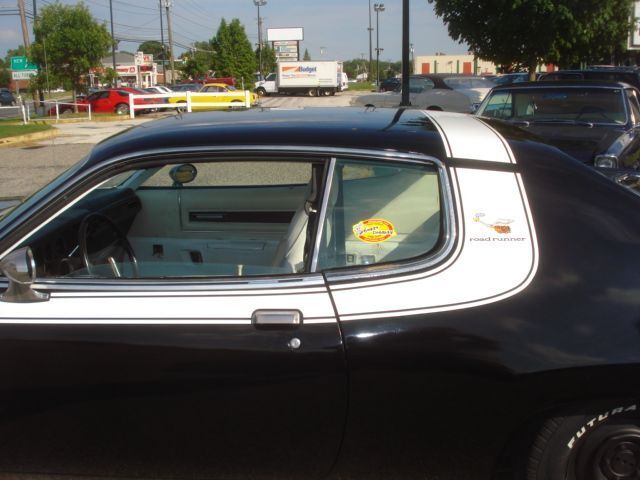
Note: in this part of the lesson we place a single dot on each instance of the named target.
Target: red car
(108, 101)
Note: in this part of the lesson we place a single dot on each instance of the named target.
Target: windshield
(10, 215)
(593, 105)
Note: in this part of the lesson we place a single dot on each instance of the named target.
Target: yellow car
(213, 91)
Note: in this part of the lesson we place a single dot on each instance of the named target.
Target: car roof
(217, 84)
(407, 130)
(563, 84)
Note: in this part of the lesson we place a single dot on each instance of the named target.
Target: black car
(595, 122)
(7, 99)
(390, 84)
(630, 75)
(331, 293)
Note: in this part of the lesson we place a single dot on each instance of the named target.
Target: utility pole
(25, 38)
(164, 51)
(113, 39)
(259, 3)
(167, 4)
(370, 46)
(378, 7)
(405, 54)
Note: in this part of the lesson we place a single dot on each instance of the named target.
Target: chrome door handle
(277, 318)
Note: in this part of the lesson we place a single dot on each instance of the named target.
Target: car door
(178, 375)
(100, 102)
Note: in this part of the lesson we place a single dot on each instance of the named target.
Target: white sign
(292, 43)
(277, 34)
(23, 74)
(287, 55)
(634, 37)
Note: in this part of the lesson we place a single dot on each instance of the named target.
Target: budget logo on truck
(299, 71)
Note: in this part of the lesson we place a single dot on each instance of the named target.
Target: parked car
(349, 294)
(186, 87)
(509, 78)
(158, 89)
(448, 92)
(390, 84)
(214, 91)
(105, 101)
(7, 99)
(147, 101)
(612, 74)
(595, 122)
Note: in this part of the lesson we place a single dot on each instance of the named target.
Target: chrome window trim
(307, 280)
(323, 213)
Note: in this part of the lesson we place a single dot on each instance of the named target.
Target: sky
(333, 29)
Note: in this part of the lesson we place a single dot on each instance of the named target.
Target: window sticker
(374, 230)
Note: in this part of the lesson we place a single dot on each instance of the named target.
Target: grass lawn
(13, 130)
(361, 86)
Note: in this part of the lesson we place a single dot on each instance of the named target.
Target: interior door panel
(238, 228)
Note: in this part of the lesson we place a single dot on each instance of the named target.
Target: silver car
(445, 92)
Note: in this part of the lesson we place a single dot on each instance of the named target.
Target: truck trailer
(308, 78)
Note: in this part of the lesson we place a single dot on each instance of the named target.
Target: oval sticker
(374, 230)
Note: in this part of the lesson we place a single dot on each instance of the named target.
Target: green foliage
(234, 56)
(154, 48)
(5, 77)
(14, 52)
(110, 76)
(306, 56)
(197, 63)
(74, 42)
(355, 67)
(524, 33)
(269, 59)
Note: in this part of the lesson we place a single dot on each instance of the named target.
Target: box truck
(308, 78)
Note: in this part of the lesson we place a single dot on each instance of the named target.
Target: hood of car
(582, 143)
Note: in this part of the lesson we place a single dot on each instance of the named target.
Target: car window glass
(379, 213)
(271, 77)
(635, 106)
(498, 105)
(460, 83)
(93, 97)
(244, 218)
(594, 105)
(419, 85)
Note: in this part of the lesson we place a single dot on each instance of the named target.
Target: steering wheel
(102, 243)
(591, 110)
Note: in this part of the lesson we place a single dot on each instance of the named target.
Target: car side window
(380, 212)
(499, 105)
(211, 219)
(635, 105)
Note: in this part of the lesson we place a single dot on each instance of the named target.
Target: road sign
(23, 74)
(21, 63)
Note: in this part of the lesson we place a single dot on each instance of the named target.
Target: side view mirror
(182, 174)
(19, 267)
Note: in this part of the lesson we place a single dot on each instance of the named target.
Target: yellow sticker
(374, 230)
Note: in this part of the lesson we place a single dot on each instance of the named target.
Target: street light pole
(259, 3)
(164, 52)
(405, 102)
(378, 7)
(167, 4)
(370, 46)
(113, 38)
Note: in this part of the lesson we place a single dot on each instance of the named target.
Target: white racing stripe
(497, 252)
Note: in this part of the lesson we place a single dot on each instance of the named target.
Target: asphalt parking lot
(25, 168)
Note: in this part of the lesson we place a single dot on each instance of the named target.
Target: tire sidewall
(565, 443)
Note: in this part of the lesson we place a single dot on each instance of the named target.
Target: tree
(306, 57)
(74, 41)
(525, 33)
(198, 62)
(153, 47)
(234, 55)
(269, 59)
(110, 76)
(5, 76)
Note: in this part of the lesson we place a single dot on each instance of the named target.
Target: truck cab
(268, 85)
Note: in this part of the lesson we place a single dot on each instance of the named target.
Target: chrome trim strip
(323, 213)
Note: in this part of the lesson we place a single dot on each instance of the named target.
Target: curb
(30, 137)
